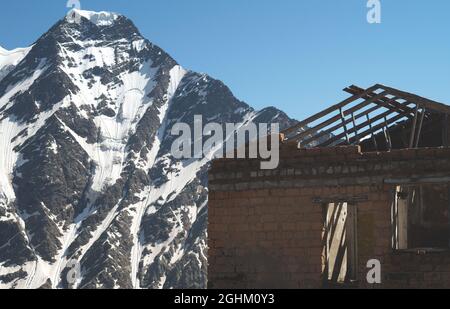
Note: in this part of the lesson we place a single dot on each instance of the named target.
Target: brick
(282, 219)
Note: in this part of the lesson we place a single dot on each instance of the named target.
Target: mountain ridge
(90, 195)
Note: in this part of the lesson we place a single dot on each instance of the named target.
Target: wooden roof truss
(365, 114)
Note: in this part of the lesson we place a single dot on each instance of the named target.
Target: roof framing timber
(382, 106)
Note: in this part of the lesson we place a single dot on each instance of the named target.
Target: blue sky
(296, 55)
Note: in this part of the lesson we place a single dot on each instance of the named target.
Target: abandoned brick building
(367, 179)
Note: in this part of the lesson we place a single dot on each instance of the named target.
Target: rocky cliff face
(90, 195)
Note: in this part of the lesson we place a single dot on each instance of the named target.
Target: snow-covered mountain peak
(87, 173)
(98, 18)
(94, 27)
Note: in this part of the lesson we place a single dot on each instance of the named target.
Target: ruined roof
(368, 112)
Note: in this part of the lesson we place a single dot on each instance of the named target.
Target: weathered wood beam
(424, 179)
(361, 126)
(328, 111)
(413, 129)
(419, 130)
(374, 140)
(344, 126)
(332, 120)
(353, 199)
(429, 104)
(394, 105)
(354, 123)
(376, 128)
(338, 126)
(387, 134)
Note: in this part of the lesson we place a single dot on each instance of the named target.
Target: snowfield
(86, 173)
(11, 58)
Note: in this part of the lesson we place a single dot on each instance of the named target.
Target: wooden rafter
(329, 110)
(335, 119)
(361, 126)
(384, 101)
(381, 106)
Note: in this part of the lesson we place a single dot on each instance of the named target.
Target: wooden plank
(419, 130)
(336, 224)
(334, 128)
(354, 123)
(344, 126)
(394, 105)
(394, 220)
(386, 138)
(338, 126)
(376, 128)
(328, 110)
(352, 199)
(374, 140)
(361, 126)
(424, 179)
(352, 241)
(336, 118)
(413, 129)
(424, 102)
(387, 134)
(355, 90)
(402, 222)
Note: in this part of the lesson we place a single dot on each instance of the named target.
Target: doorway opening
(340, 244)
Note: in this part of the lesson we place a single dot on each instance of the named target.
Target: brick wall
(265, 227)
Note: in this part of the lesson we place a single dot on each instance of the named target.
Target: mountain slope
(10, 58)
(86, 173)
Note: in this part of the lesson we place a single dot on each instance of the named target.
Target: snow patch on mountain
(10, 58)
(98, 18)
(176, 75)
(9, 130)
(86, 170)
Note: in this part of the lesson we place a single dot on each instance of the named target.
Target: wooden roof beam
(362, 126)
(394, 105)
(357, 128)
(376, 128)
(336, 118)
(423, 102)
(328, 111)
